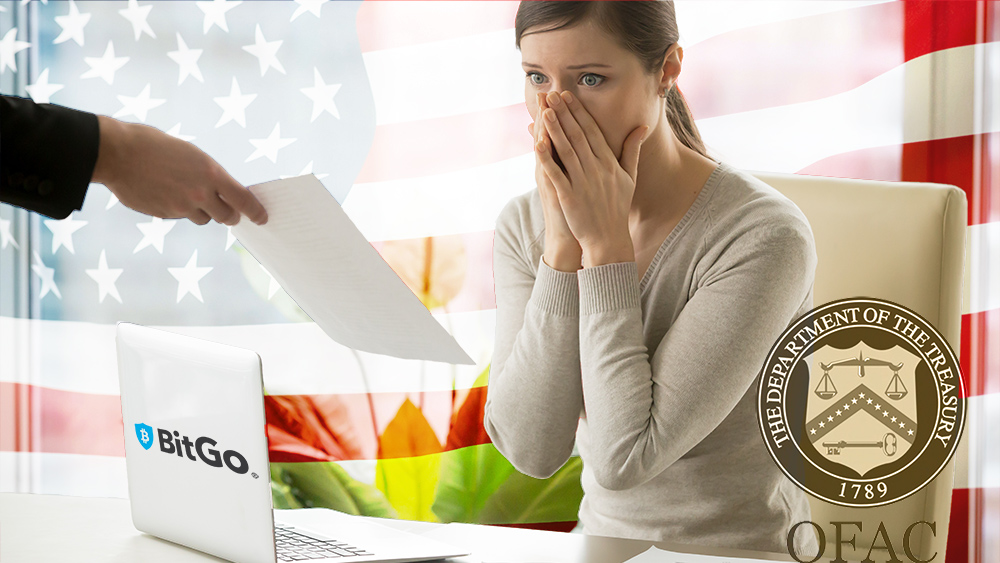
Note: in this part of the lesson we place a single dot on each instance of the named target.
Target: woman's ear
(671, 66)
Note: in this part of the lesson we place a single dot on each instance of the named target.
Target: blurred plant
(325, 485)
(478, 485)
(432, 267)
(466, 480)
(310, 428)
(409, 463)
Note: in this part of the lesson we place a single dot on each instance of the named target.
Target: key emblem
(888, 445)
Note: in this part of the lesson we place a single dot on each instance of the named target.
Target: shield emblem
(862, 408)
(145, 435)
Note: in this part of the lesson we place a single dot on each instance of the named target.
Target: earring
(664, 93)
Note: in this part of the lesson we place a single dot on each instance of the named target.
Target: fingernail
(549, 114)
(554, 99)
(568, 97)
(540, 146)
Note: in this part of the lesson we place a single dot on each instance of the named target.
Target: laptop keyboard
(294, 546)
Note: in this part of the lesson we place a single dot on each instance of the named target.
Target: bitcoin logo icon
(143, 433)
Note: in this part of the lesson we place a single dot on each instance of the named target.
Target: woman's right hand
(562, 250)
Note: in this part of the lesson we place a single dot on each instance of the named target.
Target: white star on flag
(230, 237)
(270, 146)
(188, 61)
(62, 232)
(105, 278)
(175, 131)
(311, 6)
(266, 52)
(188, 277)
(10, 46)
(111, 201)
(104, 66)
(139, 105)
(72, 25)
(215, 13)
(41, 91)
(136, 15)
(234, 106)
(47, 277)
(153, 233)
(272, 285)
(322, 95)
(5, 235)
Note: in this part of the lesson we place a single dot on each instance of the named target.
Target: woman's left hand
(596, 190)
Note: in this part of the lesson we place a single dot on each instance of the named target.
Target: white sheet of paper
(657, 555)
(321, 259)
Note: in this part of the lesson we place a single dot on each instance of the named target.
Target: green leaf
(525, 500)
(327, 485)
(409, 484)
(409, 463)
(469, 477)
(281, 493)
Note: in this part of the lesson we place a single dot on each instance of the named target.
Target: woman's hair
(647, 29)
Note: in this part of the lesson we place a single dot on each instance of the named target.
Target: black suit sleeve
(47, 155)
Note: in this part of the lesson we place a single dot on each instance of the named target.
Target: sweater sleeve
(534, 397)
(644, 413)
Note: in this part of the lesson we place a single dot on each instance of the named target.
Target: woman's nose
(559, 87)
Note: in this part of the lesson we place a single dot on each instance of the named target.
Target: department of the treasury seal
(861, 402)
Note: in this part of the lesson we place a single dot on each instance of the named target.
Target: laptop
(197, 462)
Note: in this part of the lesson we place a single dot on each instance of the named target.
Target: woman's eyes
(589, 79)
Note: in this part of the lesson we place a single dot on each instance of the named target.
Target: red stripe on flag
(978, 509)
(876, 163)
(932, 26)
(322, 427)
(945, 161)
(980, 352)
(386, 25)
(437, 146)
(58, 421)
(300, 427)
(833, 53)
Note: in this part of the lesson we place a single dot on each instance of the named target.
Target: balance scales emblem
(875, 421)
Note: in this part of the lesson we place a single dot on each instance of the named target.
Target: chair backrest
(903, 242)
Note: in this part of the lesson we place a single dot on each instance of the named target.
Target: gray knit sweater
(655, 379)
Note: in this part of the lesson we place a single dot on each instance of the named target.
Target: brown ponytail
(647, 29)
(682, 122)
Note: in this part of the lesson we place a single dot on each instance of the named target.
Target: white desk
(52, 528)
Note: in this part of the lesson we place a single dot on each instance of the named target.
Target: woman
(639, 289)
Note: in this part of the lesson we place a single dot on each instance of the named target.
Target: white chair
(903, 242)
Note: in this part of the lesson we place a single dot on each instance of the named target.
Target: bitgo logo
(174, 443)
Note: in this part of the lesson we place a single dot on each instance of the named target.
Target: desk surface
(53, 528)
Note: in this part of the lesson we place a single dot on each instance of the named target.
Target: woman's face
(608, 80)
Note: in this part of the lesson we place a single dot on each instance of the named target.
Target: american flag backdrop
(412, 115)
